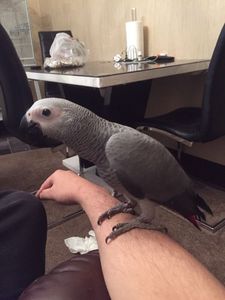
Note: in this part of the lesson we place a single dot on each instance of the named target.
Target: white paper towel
(82, 245)
(134, 39)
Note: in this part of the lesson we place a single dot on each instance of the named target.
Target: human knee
(31, 204)
(23, 211)
(23, 203)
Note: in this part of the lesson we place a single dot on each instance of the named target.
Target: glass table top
(105, 74)
(107, 68)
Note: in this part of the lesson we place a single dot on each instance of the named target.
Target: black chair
(198, 124)
(203, 124)
(16, 96)
(84, 96)
(15, 92)
(126, 105)
(46, 39)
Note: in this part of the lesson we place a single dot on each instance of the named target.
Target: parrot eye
(46, 112)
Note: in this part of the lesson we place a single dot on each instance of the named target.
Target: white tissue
(134, 39)
(82, 245)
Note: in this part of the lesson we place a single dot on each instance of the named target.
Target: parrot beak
(33, 134)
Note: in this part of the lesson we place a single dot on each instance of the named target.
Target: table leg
(37, 89)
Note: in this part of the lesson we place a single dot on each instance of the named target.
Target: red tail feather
(192, 219)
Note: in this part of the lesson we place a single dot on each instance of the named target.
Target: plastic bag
(66, 51)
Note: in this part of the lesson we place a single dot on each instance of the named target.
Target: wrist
(95, 201)
(94, 197)
(87, 193)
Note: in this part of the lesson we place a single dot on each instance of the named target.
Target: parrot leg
(139, 222)
(124, 207)
(116, 194)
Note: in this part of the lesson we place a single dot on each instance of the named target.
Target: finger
(46, 193)
(45, 185)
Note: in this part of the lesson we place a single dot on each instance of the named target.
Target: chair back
(46, 39)
(86, 96)
(15, 93)
(213, 108)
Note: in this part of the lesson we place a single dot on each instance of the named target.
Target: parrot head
(44, 120)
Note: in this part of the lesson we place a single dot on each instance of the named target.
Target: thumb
(44, 189)
(45, 193)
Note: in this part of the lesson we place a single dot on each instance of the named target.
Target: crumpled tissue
(82, 245)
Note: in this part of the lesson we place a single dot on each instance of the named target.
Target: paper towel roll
(134, 39)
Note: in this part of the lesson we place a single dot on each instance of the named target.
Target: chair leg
(212, 228)
(67, 152)
(65, 218)
(179, 151)
(81, 166)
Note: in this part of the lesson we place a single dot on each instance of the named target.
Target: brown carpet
(26, 171)
(56, 251)
(205, 246)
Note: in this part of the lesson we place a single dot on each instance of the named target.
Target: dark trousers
(23, 229)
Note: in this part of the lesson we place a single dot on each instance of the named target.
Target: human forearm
(140, 264)
(144, 264)
(96, 200)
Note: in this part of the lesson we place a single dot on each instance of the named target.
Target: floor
(205, 246)
(9, 144)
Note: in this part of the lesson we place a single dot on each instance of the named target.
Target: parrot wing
(145, 167)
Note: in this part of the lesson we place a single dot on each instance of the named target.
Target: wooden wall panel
(184, 28)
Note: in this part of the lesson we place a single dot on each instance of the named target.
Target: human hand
(66, 187)
(61, 186)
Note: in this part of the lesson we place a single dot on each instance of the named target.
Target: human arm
(139, 264)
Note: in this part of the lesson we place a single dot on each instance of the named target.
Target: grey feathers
(143, 165)
(131, 162)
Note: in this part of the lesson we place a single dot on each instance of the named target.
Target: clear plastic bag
(66, 51)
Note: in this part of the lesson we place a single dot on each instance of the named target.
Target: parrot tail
(199, 215)
(203, 205)
(193, 219)
(192, 207)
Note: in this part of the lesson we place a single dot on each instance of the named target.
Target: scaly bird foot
(121, 228)
(125, 207)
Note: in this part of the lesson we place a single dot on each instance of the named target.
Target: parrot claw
(121, 228)
(116, 194)
(117, 226)
(127, 207)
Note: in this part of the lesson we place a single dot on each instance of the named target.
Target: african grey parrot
(131, 162)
